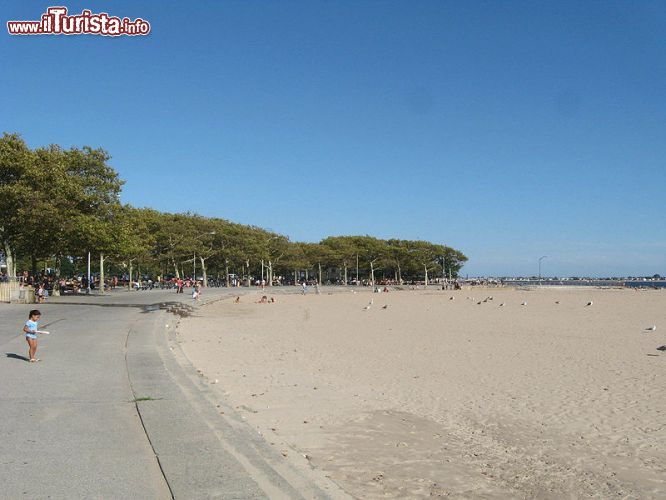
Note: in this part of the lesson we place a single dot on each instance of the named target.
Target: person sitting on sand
(263, 300)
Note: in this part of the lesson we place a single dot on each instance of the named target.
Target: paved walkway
(111, 411)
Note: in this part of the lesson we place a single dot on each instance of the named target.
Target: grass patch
(144, 398)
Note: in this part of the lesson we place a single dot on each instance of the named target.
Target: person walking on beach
(31, 330)
(304, 289)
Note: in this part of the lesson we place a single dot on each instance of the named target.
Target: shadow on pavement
(179, 308)
(16, 356)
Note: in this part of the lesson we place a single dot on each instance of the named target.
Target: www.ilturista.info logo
(56, 22)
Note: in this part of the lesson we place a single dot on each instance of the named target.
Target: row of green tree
(58, 205)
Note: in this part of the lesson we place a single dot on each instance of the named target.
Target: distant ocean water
(648, 284)
(627, 283)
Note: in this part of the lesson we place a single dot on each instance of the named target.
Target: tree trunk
(129, 283)
(319, 264)
(101, 273)
(357, 280)
(175, 267)
(426, 274)
(372, 275)
(226, 270)
(345, 274)
(203, 270)
(270, 273)
(56, 288)
(10, 261)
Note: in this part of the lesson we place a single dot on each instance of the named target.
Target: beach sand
(437, 397)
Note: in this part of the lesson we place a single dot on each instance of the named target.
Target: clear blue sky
(508, 130)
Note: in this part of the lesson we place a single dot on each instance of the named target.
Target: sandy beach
(431, 397)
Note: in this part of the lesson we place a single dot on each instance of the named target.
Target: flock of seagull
(372, 301)
(524, 303)
(502, 304)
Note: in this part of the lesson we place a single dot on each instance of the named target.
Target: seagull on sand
(385, 306)
(369, 304)
(589, 303)
(651, 328)
(524, 303)
(452, 298)
(557, 301)
(502, 304)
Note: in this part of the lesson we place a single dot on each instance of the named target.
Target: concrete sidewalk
(68, 426)
(110, 412)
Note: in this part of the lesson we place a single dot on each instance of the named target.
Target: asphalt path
(112, 411)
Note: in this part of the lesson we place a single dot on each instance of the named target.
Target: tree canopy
(59, 204)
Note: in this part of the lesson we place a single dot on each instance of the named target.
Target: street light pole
(443, 269)
(540, 259)
(88, 287)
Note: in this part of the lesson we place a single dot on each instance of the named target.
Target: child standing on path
(31, 331)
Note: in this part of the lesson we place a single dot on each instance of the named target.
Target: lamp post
(444, 269)
(88, 287)
(540, 259)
